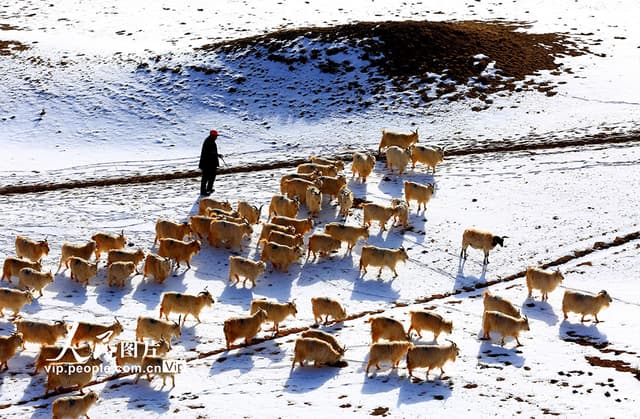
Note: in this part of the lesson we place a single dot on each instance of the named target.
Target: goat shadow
(393, 184)
(358, 188)
(277, 285)
(308, 378)
(418, 390)
(417, 228)
(412, 390)
(149, 292)
(31, 308)
(149, 396)
(240, 360)
(468, 282)
(111, 297)
(236, 296)
(271, 349)
(380, 380)
(21, 365)
(378, 289)
(188, 334)
(569, 331)
(212, 263)
(390, 183)
(539, 310)
(65, 288)
(194, 207)
(493, 353)
(337, 265)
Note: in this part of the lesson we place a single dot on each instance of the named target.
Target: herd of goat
(282, 240)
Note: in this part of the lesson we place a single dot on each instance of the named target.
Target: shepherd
(209, 163)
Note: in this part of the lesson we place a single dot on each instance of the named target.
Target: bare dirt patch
(618, 365)
(11, 47)
(408, 53)
(380, 411)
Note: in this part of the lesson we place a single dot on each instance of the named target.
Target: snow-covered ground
(523, 195)
(104, 117)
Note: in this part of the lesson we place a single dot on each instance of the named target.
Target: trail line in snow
(597, 139)
(576, 254)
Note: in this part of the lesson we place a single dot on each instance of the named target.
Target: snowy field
(523, 195)
(573, 207)
(103, 116)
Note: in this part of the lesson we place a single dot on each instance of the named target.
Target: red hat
(213, 133)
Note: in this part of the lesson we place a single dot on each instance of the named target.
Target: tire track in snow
(576, 254)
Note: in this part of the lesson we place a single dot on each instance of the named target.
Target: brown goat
(387, 328)
(96, 333)
(243, 327)
(8, 347)
(246, 268)
(107, 241)
(325, 306)
(32, 250)
(178, 250)
(387, 352)
(276, 312)
(316, 350)
(13, 265)
(178, 302)
(166, 229)
(83, 251)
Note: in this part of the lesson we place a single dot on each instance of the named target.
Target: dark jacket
(209, 155)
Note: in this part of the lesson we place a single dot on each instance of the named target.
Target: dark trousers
(206, 184)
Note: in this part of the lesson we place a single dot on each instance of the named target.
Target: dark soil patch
(618, 365)
(380, 411)
(407, 52)
(11, 47)
(7, 27)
